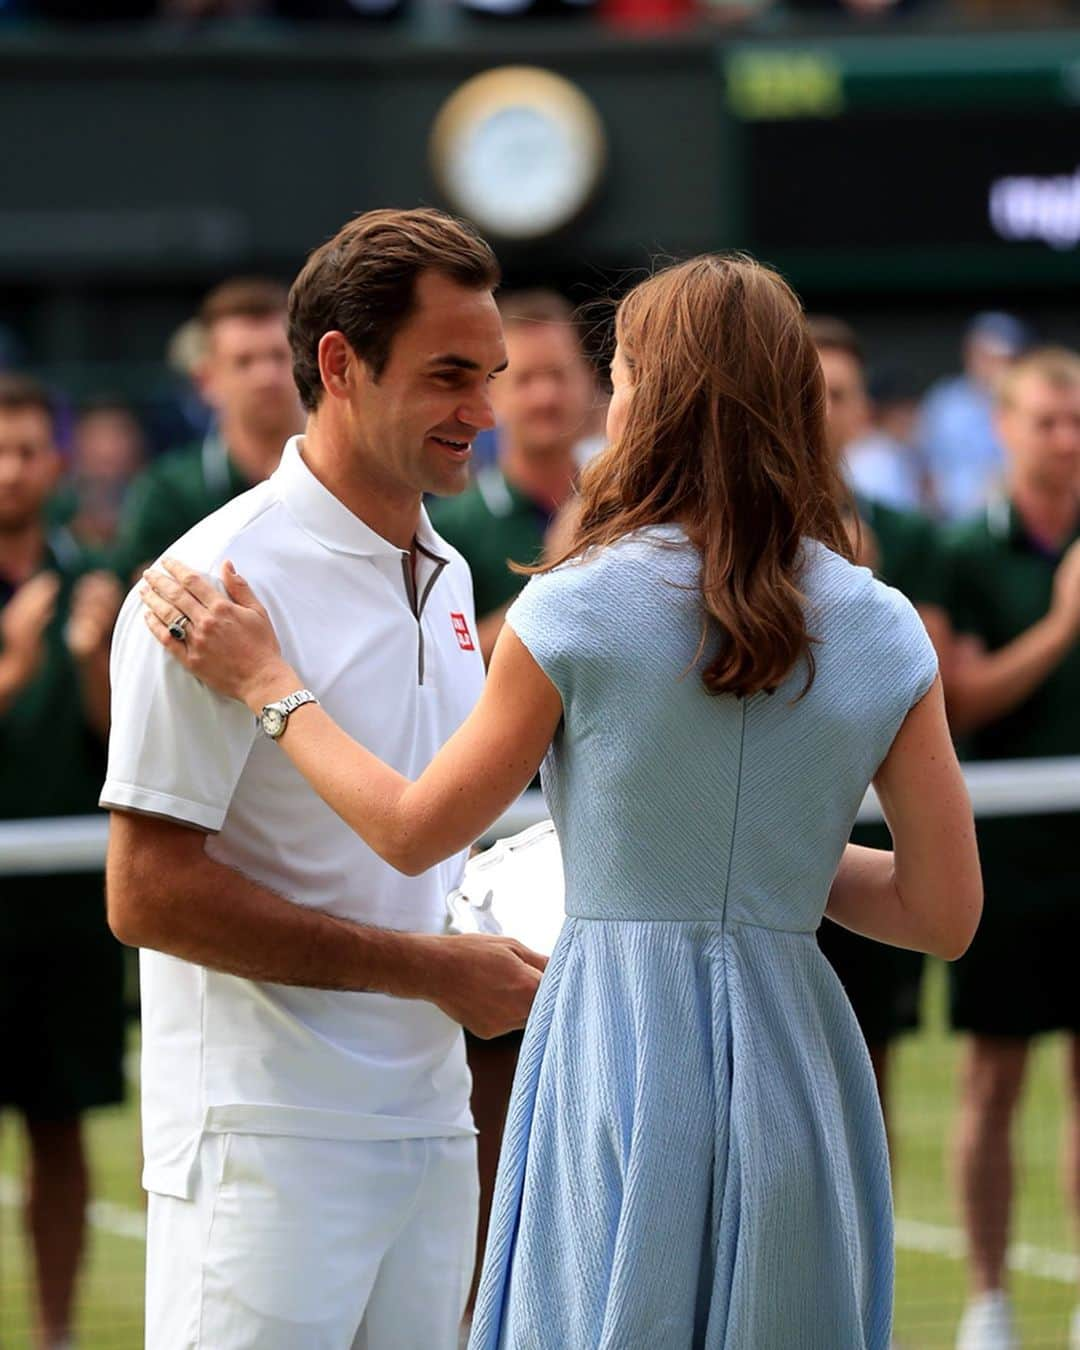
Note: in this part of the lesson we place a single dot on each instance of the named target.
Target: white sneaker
(1074, 1329)
(987, 1324)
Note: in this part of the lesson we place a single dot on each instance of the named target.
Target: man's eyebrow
(462, 363)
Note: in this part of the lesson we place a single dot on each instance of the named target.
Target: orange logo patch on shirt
(461, 629)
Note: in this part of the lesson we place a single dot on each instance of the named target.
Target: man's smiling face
(417, 421)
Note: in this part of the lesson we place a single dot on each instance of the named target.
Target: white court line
(116, 1220)
(939, 1239)
(913, 1235)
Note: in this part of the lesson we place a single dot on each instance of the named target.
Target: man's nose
(478, 412)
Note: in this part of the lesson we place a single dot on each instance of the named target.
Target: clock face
(518, 150)
(273, 721)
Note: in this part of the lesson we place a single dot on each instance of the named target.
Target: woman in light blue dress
(694, 1154)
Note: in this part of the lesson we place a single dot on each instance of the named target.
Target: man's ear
(339, 365)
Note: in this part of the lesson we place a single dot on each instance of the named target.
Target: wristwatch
(275, 716)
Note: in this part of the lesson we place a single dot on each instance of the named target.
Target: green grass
(930, 1286)
(930, 1289)
(110, 1306)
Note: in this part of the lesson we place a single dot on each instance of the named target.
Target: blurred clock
(519, 151)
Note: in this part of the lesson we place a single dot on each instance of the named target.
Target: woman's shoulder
(595, 594)
(831, 579)
(652, 553)
(862, 617)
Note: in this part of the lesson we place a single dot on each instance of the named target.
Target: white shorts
(314, 1244)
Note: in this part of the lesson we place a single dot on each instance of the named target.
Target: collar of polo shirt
(319, 513)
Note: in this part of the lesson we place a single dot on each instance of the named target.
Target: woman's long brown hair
(724, 435)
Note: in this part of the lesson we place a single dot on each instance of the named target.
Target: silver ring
(178, 628)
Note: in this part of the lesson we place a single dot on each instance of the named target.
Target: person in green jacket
(245, 375)
(61, 971)
(903, 549)
(1012, 584)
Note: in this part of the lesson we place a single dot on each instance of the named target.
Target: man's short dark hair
(834, 335)
(19, 392)
(363, 283)
(243, 298)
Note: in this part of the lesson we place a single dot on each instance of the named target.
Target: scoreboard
(903, 162)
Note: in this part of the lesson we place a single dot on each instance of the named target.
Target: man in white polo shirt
(309, 1151)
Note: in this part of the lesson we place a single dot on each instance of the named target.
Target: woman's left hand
(228, 640)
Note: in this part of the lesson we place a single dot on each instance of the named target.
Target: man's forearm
(212, 915)
(980, 689)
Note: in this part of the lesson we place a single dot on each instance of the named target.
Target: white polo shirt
(399, 668)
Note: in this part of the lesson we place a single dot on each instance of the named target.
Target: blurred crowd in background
(653, 13)
(934, 449)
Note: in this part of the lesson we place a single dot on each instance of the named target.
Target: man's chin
(449, 487)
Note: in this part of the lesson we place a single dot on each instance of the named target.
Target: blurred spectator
(542, 403)
(957, 437)
(848, 408)
(245, 375)
(859, 9)
(107, 452)
(185, 356)
(60, 970)
(1013, 590)
(882, 464)
(902, 549)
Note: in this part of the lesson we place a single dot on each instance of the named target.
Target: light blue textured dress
(694, 1152)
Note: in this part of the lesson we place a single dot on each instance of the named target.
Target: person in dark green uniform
(61, 974)
(542, 402)
(246, 376)
(883, 983)
(1013, 592)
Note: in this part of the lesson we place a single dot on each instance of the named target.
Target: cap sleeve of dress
(549, 616)
(914, 660)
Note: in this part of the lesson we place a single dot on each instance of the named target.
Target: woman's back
(675, 804)
(695, 1155)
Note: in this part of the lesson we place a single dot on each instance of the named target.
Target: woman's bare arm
(927, 893)
(480, 771)
(477, 774)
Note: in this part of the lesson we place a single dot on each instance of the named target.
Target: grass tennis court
(930, 1290)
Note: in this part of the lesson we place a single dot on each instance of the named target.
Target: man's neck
(383, 506)
(21, 552)
(255, 453)
(547, 479)
(1049, 515)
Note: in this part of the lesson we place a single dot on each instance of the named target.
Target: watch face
(519, 151)
(273, 722)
